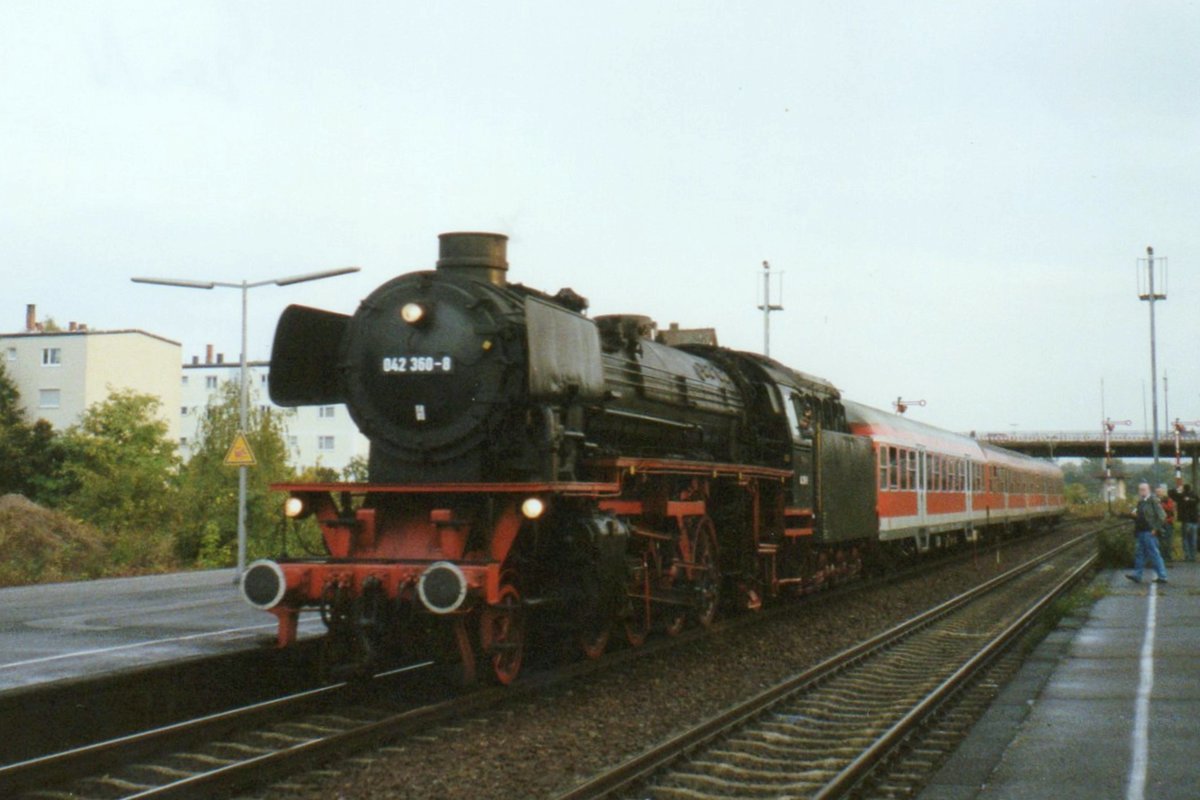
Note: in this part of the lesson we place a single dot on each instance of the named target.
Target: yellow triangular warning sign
(240, 454)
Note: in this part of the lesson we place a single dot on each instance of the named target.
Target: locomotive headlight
(533, 508)
(412, 313)
(293, 507)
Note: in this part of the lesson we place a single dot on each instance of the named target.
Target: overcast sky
(958, 193)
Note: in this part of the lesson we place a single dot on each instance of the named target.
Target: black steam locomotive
(530, 465)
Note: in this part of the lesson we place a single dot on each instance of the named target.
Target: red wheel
(502, 635)
(674, 622)
(637, 628)
(706, 575)
(594, 643)
(466, 667)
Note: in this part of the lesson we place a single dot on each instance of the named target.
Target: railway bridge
(1090, 444)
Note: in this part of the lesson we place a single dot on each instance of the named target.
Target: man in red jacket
(1168, 528)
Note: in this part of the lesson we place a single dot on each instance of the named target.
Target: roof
(88, 332)
(226, 365)
(894, 428)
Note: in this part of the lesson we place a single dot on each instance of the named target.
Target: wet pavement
(71, 630)
(1108, 706)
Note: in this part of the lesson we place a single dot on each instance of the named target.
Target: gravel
(535, 748)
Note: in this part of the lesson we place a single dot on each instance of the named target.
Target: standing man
(1188, 506)
(1167, 546)
(1148, 517)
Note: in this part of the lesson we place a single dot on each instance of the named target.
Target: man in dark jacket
(1187, 506)
(1148, 518)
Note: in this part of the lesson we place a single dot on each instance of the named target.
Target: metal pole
(1166, 402)
(766, 309)
(1108, 487)
(1153, 363)
(1178, 458)
(243, 422)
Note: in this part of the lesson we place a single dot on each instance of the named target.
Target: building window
(49, 398)
(210, 382)
(293, 442)
(183, 441)
(184, 382)
(263, 379)
(325, 412)
(12, 354)
(51, 356)
(324, 442)
(183, 411)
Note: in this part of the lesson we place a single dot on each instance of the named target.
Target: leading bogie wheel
(502, 635)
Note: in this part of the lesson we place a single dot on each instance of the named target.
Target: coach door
(922, 472)
(969, 486)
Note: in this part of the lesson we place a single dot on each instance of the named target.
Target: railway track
(227, 751)
(824, 733)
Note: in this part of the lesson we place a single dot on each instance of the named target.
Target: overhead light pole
(1151, 295)
(244, 413)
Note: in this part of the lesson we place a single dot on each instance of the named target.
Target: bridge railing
(1047, 437)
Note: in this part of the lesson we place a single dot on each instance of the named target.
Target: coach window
(893, 468)
(883, 478)
(912, 470)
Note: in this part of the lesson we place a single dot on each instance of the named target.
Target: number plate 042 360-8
(417, 364)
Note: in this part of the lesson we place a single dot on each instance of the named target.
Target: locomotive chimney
(478, 256)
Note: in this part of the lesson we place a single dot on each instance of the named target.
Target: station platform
(64, 631)
(1107, 706)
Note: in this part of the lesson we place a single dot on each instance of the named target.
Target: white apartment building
(60, 373)
(316, 435)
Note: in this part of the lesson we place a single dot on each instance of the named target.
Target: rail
(304, 714)
(659, 759)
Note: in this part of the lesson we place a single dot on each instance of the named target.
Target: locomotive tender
(531, 465)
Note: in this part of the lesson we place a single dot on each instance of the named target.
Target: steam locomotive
(534, 467)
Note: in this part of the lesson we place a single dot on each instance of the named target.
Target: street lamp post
(243, 415)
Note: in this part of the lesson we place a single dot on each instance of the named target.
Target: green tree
(31, 456)
(356, 470)
(119, 474)
(209, 495)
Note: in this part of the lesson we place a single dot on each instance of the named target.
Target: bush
(43, 546)
(1116, 548)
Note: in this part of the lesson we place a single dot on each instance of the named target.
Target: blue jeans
(1189, 540)
(1147, 548)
